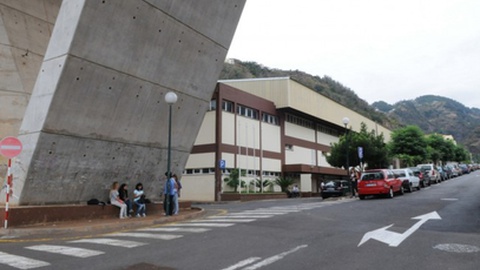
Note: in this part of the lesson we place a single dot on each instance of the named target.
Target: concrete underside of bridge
(82, 85)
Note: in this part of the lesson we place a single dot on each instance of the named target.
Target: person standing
(176, 190)
(139, 200)
(123, 195)
(115, 200)
(168, 192)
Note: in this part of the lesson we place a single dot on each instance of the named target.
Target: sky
(381, 49)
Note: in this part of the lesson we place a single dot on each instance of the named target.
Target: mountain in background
(433, 114)
(436, 114)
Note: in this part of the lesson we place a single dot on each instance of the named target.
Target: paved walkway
(72, 229)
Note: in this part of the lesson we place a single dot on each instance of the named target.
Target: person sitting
(139, 200)
(295, 191)
(123, 194)
(115, 200)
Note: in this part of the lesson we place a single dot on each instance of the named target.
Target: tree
(409, 145)
(284, 183)
(461, 154)
(234, 179)
(374, 149)
(261, 184)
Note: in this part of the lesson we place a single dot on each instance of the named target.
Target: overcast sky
(381, 49)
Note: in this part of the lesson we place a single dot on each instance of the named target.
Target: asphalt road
(287, 234)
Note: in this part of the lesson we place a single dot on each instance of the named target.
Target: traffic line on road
(190, 230)
(110, 242)
(242, 263)
(20, 262)
(147, 235)
(66, 250)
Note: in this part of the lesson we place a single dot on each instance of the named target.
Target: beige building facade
(268, 128)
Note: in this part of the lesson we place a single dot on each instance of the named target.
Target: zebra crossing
(168, 232)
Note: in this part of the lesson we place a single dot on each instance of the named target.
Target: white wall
(228, 128)
(299, 132)
(206, 135)
(271, 138)
(300, 155)
(205, 160)
(198, 187)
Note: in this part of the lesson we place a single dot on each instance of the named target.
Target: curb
(87, 227)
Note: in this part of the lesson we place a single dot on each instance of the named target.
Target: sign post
(10, 147)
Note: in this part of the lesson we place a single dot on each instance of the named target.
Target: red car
(379, 182)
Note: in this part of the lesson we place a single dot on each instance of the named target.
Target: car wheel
(362, 197)
(390, 193)
(410, 188)
(401, 191)
(419, 186)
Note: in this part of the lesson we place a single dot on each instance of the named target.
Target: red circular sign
(10, 147)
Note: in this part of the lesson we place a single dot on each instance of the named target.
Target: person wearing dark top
(123, 195)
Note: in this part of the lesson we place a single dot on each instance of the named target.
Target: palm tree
(261, 184)
(284, 183)
(234, 179)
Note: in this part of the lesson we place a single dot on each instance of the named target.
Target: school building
(267, 127)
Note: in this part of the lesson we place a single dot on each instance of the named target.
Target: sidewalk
(85, 228)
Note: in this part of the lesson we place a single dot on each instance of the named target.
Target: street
(435, 228)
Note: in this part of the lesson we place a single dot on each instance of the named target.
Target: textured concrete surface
(97, 112)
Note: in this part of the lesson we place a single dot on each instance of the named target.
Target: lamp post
(345, 123)
(170, 98)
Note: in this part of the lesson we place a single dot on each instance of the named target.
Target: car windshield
(426, 168)
(372, 176)
(400, 173)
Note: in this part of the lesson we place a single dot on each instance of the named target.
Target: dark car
(335, 188)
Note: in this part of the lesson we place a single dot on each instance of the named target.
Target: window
(327, 130)
(213, 105)
(271, 119)
(247, 112)
(299, 121)
(227, 106)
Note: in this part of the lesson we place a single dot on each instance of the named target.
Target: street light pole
(170, 98)
(345, 123)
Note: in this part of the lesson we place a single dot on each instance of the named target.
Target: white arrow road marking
(394, 239)
(20, 262)
(110, 242)
(69, 251)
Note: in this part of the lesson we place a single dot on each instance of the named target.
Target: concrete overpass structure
(82, 85)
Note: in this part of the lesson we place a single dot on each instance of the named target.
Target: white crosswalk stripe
(205, 224)
(163, 229)
(20, 262)
(66, 250)
(110, 242)
(224, 220)
(147, 235)
(233, 216)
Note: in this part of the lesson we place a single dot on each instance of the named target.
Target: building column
(306, 182)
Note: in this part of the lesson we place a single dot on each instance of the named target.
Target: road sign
(360, 152)
(10, 147)
(222, 164)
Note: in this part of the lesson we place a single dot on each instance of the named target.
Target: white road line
(190, 230)
(110, 242)
(205, 224)
(273, 259)
(242, 216)
(20, 262)
(276, 210)
(225, 220)
(148, 235)
(263, 213)
(242, 263)
(65, 250)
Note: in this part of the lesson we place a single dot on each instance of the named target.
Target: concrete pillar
(97, 112)
(306, 182)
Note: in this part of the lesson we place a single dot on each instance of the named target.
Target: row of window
(227, 171)
(310, 124)
(245, 111)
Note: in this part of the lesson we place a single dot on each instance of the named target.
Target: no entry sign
(10, 147)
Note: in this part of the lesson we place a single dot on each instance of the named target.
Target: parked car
(335, 188)
(421, 174)
(432, 172)
(448, 171)
(464, 168)
(379, 182)
(442, 173)
(409, 180)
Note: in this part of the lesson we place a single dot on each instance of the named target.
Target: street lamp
(345, 122)
(170, 98)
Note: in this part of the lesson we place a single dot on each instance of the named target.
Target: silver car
(409, 180)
